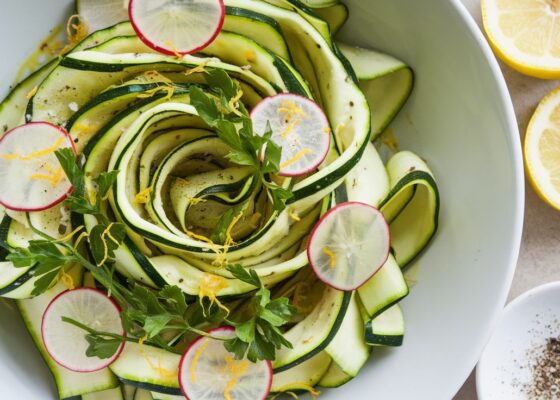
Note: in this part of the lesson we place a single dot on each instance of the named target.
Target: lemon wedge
(525, 34)
(542, 149)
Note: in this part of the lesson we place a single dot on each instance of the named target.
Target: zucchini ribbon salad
(194, 202)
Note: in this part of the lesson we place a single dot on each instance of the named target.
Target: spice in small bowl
(545, 366)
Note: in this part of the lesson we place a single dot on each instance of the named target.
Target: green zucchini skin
(152, 387)
(347, 296)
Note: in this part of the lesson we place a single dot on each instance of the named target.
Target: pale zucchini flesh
(387, 329)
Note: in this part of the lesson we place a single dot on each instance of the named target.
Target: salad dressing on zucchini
(214, 182)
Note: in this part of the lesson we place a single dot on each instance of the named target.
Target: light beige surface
(539, 261)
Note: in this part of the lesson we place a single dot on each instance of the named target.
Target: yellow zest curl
(199, 68)
(162, 82)
(332, 257)
(196, 200)
(209, 286)
(173, 48)
(162, 372)
(293, 215)
(221, 259)
(303, 386)
(292, 115)
(143, 197)
(77, 29)
(70, 235)
(54, 178)
(196, 358)
(107, 233)
(80, 238)
(35, 154)
(235, 369)
(296, 158)
(233, 104)
(31, 93)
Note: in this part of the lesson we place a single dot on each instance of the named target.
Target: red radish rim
(318, 224)
(109, 361)
(169, 52)
(188, 349)
(325, 120)
(64, 196)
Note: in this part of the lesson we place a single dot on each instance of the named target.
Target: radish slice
(66, 343)
(299, 126)
(31, 177)
(177, 26)
(349, 245)
(208, 371)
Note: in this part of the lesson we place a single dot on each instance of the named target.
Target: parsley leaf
(259, 337)
(219, 80)
(236, 130)
(102, 347)
(104, 240)
(205, 106)
(105, 182)
(67, 159)
(245, 275)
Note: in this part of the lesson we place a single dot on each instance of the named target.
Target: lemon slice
(542, 149)
(525, 34)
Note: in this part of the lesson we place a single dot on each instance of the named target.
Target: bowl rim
(514, 141)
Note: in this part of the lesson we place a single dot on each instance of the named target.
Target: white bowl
(527, 323)
(461, 120)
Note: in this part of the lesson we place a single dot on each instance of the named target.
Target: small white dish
(504, 371)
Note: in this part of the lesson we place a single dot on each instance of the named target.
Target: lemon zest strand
(293, 215)
(209, 286)
(161, 81)
(35, 154)
(221, 259)
(163, 372)
(234, 103)
(332, 257)
(76, 32)
(296, 158)
(198, 68)
(311, 390)
(200, 237)
(236, 370)
(107, 233)
(143, 197)
(54, 179)
(196, 358)
(31, 93)
(196, 200)
(70, 235)
(173, 48)
(292, 114)
(80, 238)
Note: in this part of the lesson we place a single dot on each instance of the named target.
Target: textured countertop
(539, 260)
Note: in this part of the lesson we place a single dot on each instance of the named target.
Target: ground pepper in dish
(546, 373)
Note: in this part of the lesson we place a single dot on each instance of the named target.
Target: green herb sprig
(259, 337)
(234, 126)
(50, 257)
(147, 315)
